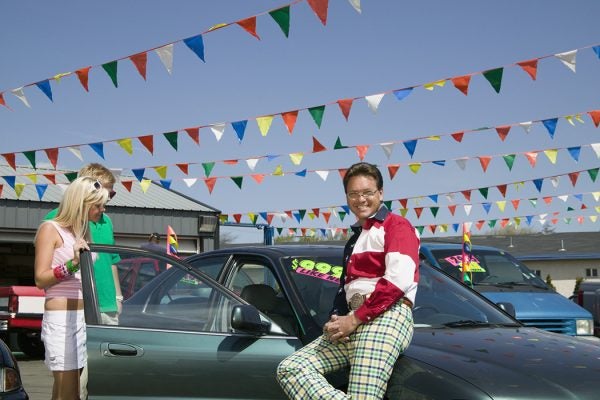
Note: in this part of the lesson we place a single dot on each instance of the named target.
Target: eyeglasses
(98, 186)
(357, 195)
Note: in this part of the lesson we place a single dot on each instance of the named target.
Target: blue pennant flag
(139, 173)
(45, 87)
(550, 124)
(239, 127)
(98, 148)
(402, 93)
(41, 189)
(196, 44)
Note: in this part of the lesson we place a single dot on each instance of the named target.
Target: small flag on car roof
(172, 244)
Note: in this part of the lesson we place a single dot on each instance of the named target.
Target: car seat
(264, 298)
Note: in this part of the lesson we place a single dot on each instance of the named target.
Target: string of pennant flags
(289, 118)
(281, 16)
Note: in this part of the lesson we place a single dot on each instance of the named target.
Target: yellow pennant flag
(145, 184)
(517, 221)
(278, 171)
(32, 177)
(217, 26)
(596, 195)
(443, 228)
(501, 205)
(551, 154)
(311, 215)
(264, 124)
(414, 167)
(19, 188)
(432, 85)
(161, 171)
(436, 137)
(593, 218)
(126, 145)
(58, 77)
(296, 158)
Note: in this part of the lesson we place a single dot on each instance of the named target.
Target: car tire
(31, 344)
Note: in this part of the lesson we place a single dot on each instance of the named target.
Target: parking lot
(37, 379)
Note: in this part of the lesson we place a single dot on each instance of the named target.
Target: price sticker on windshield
(471, 262)
(317, 269)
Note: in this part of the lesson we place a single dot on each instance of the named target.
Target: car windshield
(487, 267)
(440, 301)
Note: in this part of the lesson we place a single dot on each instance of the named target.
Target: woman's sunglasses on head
(98, 186)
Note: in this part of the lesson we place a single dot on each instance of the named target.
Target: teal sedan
(216, 325)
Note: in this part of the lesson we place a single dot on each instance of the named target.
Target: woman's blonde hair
(81, 195)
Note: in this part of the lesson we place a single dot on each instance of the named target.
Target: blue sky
(390, 45)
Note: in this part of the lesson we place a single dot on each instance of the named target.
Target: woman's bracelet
(63, 271)
(119, 298)
(72, 268)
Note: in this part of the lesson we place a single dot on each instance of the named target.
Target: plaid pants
(371, 354)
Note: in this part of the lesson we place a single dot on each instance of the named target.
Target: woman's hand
(79, 246)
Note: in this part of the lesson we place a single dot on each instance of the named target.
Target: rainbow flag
(172, 244)
(466, 254)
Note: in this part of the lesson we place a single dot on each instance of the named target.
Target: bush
(549, 282)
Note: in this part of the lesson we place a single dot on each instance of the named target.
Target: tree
(549, 282)
(512, 230)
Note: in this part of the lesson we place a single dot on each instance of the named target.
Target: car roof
(282, 250)
(451, 246)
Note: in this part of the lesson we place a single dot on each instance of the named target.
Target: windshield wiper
(466, 323)
(512, 283)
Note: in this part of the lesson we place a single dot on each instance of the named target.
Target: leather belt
(358, 299)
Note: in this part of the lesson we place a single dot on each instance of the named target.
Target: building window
(538, 272)
(591, 273)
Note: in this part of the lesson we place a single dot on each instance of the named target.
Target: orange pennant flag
(502, 189)
(345, 106)
(479, 224)
(258, 177)
(573, 177)
(392, 169)
(403, 203)
(548, 200)
(289, 118)
(210, 184)
(532, 157)
(418, 211)
(82, 74)
(127, 184)
(342, 172)
(184, 168)
(326, 215)
(51, 178)
(458, 136)
(2, 102)
(10, 159)
(503, 132)
(316, 211)
(362, 151)
(317, 146)
(515, 203)
(52, 155)
(320, 8)
(595, 115)
(462, 83)
(530, 67)
(485, 161)
(504, 222)
(249, 24)
(452, 209)
(140, 60)
(148, 142)
(194, 133)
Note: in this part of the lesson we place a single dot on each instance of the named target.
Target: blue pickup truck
(506, 281)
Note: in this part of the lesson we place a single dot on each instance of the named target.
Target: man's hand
(339, 328)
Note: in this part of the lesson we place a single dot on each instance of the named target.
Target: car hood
(539, 305)
(515, 363)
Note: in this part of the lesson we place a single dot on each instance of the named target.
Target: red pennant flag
(583, 207)
(326, 215)
(515, 203)
(403, 203)
(82, 74)
(345, 106)
(452, 209)
(548, 200)
(249, 24)
(230, 162)
(554, 221)
(10, 159)
(258, 177)
(503, 132)
(530, 67)
(140, 60)
(194, 133)
(462, 83)
(269, 218)
(573, 177)
(316, 211)
(210, 184)
(127, 184)
(432, 228)
(303, 231)
(485, 161)
(148, 142)
(580, 219)
(362, 151)
(52, 155)
(392, 169)
(237, 218)
(183, 167)
(467, 194)
(502, 189)
(479, 224)
(418, 211)
(289, 214)
(289, 118)
(51, 178)
(1, 187)
(342, 172)
(320, 8)
(532, 157)
(2, 102)
(458, 136)
(595, 116)
(504, 222)
(317, 146)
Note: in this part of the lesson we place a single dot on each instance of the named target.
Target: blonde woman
(58, 244)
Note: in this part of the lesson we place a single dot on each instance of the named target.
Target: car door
(174, 339)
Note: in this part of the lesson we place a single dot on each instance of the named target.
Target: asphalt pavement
(37, 378)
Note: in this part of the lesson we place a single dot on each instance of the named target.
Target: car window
(211, 266)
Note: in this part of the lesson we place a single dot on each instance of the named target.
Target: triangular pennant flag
(338, 144)
(458, 136)
(452, 209)
(550, 125)
(189, 182)
(323, 175)
(532, 157)
(596, 148)
(356, 5)
(71, 176)
(218, 130)
(593, 173)
(466, 194)
(568, 58)
(411, 146)
(595, 115)
(145, 184)
(19, 187)
(161, 171)
(32, 177)
(296, 158)
(573, 176)
(345, 106)
(251, 162)
(138, 173)
(479, 225)
(317, 146)
(239, 127)
(484, 161)
(210, 184)
(526, 126)
(282, 17)
(462, 83)
(362, 151)
(278, 171)
(317, 114)
(387, 149)
(126, 145)
(45, 87)
(140, 60)
(258, 177)
(301, 173)
(503, 132)
(51, 178)
(538, 184)
(486, 207)
(148, 142)
(501, 205)
(374, 100)
(3, 102)
(551, 154)
(249, 25)
(264, 124)
(165, 54)
(10, 159)
(194, 134)
(414, 167)
(127, 185)
(433, 197)
(515, 203)
(392, 169)
(574, 152)
(494, 77)
(98, 148)
(418, 211)
(509, 159)
(52, 155)
(208, 167)
(432, 85)
(467, 208)
(320, 8)
(165, 183)
(502, 190)
(529, 66)
(11, 180)
(172, 138)
(289, 118)
(196, 44)
(82, 74)
(484, 192)
(462, 163)
(401, 94)
(18, 92)
(111, 70)
(388, 204)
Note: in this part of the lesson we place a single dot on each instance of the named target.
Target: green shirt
(102, 233)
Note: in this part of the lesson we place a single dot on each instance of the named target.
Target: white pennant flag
(554, 181)
(20, 95)
(467, 226)
(387, 149)
(596, 195)
(190, 181)
(568, 58)
(116, 172)
(63, 187)
(596, 148)
(165, 54)
(374, 100)
(323, 174)
(543, 216)
(356, 5)
(75, 150)
(564, 198)
(283, 217)
(526, 126)
(218, 130)
(450, 197)
(462, 163)
(252, 163)
(467, 208)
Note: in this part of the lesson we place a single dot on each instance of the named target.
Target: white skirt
(64, 336)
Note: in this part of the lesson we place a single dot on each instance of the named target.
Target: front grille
(565, 326)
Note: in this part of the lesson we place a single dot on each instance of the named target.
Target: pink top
(70, 287)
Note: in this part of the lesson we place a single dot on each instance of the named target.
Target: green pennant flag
(492, 223)
(71, 176)
(570, 209)
(593, 173)
(342, 215)
(388, 204)
(238, 180)
(208, 167)
(420, 229)
(533, 202)
(282, 17)
(302, 213)
(111, 70)
(509, 159)
(434, 211)
(338, 144)
(30, 156)
(484, 192)
(567, 220)
(279, 230)
(253, 218)
(317, 114)
(172, 138)
(494, 77)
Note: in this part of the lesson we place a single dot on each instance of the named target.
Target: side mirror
(508, 308)
(246, 318)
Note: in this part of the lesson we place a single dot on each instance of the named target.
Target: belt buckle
(356, 301)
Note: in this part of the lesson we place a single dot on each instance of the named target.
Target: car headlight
(10, 380)
(585, 327)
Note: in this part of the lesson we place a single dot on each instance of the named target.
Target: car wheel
(31, 344)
